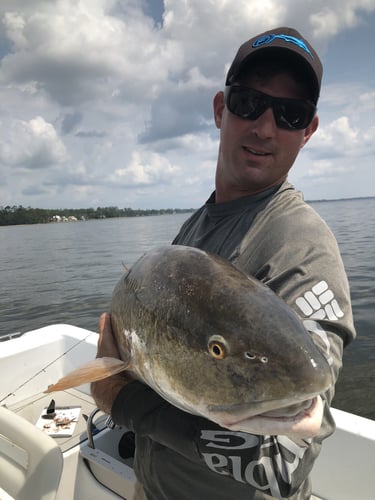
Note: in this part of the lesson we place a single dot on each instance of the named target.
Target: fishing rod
(13, 393)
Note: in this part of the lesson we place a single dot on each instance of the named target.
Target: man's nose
(265, 125)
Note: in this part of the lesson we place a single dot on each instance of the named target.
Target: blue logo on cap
(266, 39)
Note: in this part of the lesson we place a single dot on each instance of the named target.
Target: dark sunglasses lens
(293, 114)
(249, 104)
(246, 103)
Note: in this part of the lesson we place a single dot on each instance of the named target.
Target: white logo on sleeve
(320, 303)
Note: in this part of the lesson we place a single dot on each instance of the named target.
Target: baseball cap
(282, 41)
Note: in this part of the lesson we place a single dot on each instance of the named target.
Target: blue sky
(109, 102)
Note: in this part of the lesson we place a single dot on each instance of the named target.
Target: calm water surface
(353, 222)
(65, 273)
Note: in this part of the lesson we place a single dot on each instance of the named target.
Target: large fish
(214, 342)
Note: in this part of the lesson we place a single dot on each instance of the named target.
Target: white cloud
(145, 169)
(325, 169)
(367, 100)
(80, 51)
(33, 144)
(97, 95)
(336, 139)
(333, 17)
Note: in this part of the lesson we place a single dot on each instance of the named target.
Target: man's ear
(219, 106)
(310, 130)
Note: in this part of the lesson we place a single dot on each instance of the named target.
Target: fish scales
(217, 343)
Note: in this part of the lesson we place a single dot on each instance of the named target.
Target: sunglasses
(249, 104)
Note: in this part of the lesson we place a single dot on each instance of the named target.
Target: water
(353, 223)
(65, 273)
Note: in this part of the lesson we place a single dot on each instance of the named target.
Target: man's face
(255, 155)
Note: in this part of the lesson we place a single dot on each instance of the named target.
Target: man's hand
(105, 391)
(106, 344)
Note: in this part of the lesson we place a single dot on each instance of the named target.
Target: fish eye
(217, 349)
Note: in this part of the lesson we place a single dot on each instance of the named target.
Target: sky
(109, 102)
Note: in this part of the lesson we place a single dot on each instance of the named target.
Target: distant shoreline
(341, 199)
(18, 215)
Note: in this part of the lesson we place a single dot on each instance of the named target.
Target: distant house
(62, 218)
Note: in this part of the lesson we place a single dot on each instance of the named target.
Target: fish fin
(92, 371)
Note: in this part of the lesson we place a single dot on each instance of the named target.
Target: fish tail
(97, 369)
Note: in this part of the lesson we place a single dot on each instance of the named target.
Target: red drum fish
(214, 342)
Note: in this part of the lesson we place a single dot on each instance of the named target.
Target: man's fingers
(106, 343)
(104, 323)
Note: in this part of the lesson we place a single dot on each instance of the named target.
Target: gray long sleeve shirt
(278, 238)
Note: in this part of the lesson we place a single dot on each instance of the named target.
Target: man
(256, 219)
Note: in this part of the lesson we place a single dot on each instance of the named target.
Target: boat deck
(31, 408)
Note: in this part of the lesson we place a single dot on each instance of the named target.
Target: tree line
(26, 215)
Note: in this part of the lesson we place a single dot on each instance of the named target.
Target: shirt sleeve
(146, 413)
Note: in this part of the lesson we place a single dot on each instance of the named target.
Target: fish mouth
(291, 412)
(301, 419)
